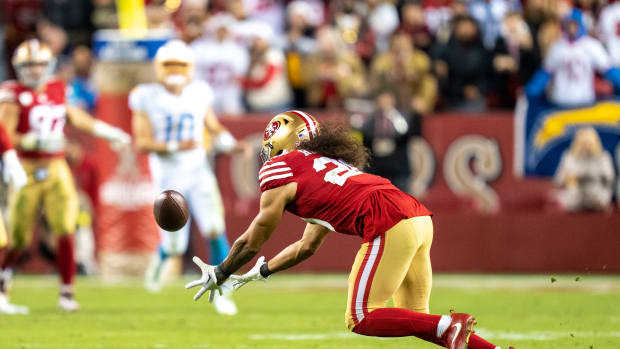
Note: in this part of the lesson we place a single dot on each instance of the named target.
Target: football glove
(12, 170)
(117, 137)
(208, 281)
(252, 275)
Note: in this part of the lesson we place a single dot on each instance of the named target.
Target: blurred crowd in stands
(265, 55)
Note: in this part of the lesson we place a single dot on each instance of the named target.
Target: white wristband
(172, 146)
(103, 130)
(225, 142)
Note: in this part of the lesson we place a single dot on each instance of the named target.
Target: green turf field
(306, 311)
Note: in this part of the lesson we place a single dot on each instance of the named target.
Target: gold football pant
(50, 186)
(396, 264)
(3, 237)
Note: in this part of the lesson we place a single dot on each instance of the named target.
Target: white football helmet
(174, 63)
(34, 63)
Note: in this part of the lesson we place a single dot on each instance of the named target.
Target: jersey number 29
(338, 175)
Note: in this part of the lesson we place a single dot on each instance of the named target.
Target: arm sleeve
(535, 88)
(600, 57)
(275, 173)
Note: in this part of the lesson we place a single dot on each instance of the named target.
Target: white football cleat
(68, 304)
(11, 309)
(224, 305)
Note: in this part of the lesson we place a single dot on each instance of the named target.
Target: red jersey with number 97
(338, 196)
(41, 112)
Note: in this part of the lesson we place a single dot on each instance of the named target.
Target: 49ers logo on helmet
(271, 129)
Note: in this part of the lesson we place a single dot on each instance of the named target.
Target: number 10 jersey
(338, 196)
(175, 118)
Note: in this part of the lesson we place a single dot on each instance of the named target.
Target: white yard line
(302, 336)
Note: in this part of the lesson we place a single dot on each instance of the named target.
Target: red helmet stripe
(309, 120)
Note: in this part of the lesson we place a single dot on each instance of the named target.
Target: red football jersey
(339, 196)
(42, 112)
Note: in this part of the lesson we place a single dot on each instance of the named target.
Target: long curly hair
(335, 141)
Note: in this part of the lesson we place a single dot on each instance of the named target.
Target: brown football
(170, 210)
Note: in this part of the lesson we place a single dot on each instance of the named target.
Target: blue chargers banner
(114, 46)
(544, 131)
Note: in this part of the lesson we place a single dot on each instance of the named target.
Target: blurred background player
(34, 112)
(169, 119)
(13, 174)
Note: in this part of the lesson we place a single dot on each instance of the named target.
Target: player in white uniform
(609, 29)
(222, 61)
(570, 65)
(169, 120)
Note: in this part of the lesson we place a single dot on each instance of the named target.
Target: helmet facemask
(34, 63)
(284, 133)
(174, 64)
(174, 73)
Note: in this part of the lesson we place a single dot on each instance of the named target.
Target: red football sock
(65, 259)
(11, 257)
(398, 322)
(476, 342)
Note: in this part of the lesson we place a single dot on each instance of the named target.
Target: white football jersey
(609, 28)
(221, 64)
(174, 118)
(572, 66)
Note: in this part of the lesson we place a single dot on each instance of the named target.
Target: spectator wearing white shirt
(221, 62)
(383, 20)
(569, 66)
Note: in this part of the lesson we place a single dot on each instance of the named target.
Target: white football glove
(208, 280)
(117, 137)
(12, 170)
(252, 275)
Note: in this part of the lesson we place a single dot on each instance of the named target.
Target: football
(170, 210)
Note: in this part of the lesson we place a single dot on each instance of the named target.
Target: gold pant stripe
(3, 236)
(395, 265)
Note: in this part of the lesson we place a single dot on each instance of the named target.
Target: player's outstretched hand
(208, 281)
(252, 275)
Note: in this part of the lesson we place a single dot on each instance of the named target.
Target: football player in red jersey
(34, 112)
(316, 174)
